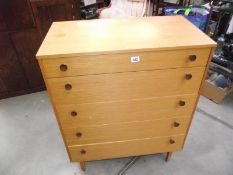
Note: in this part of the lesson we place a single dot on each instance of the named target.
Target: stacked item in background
(219, 80)
(213, 19)
(89, 8)
(196, 14)
(220, 75)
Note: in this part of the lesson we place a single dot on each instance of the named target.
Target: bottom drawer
(127, 148)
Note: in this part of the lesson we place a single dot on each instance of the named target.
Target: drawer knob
(68, 87)
(171, 141)
(176, 124)
(188, 76)
(73, 113)
(79, 134)
(63, 67)
(192, 57)
(83, 151)
(182, 103)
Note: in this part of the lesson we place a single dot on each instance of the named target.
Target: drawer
(126, 111)
(126, 148)
(61, 67)
(78, 134)
(125, 86)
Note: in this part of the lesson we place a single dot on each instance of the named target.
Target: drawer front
(98, 64)
(125, 86)
(76, 135)
(126, 148)
(126, 111)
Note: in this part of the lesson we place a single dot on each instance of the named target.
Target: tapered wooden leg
(169, 156)
(82, 166)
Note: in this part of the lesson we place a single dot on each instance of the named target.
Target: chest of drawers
(124, 87)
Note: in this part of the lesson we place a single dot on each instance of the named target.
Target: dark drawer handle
(188, 76)
(68, 87)
(176, 124)
(182, 103)
(73, 113)
(171, 141)
(63, 67)
(83, 151)
(192, 57)
(78, 134)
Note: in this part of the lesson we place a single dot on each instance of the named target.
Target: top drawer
(62, 67)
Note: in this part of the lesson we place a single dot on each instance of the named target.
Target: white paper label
(135, 59)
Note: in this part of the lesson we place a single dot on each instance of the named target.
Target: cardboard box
(214, 93)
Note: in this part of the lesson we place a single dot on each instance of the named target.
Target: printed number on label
(135, 59)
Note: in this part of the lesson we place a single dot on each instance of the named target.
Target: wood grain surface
(125, 86)
(107, 106)
(104, 36)
(126, 110)
(125, 148)
(78, 134)
(85, 65)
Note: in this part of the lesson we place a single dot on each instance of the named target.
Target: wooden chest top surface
(94, 37)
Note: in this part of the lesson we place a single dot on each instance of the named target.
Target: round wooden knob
(188, 76)
(63, 67)
(73, 113)
(171, 141)
(83, 151)
(78, 134)
(68, 86)
(192, 57)
(176, 124)
(181, 103)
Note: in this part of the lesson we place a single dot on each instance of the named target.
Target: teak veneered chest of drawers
(124, 87)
